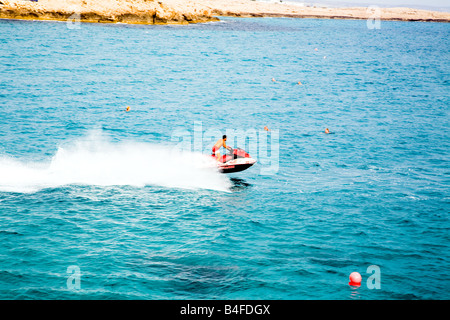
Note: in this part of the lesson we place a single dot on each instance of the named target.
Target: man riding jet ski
(234, 161)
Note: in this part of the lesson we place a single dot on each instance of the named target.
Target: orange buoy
(266, 128)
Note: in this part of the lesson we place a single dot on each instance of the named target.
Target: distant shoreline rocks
(195, 11)
(102, 11)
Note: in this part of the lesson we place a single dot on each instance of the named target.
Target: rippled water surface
(84, 183)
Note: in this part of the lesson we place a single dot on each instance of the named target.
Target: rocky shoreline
(194, 11)
(103, 11)
(250, 8)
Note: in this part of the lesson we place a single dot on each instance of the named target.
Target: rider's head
(224, 137)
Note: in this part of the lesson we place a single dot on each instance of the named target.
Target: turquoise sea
(100, 203)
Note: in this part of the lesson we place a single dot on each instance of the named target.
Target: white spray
(95, 160)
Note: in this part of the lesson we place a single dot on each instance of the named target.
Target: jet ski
(234, 161)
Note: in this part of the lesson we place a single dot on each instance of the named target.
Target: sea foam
(96, 160)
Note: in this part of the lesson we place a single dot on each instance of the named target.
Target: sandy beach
(185, 12)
